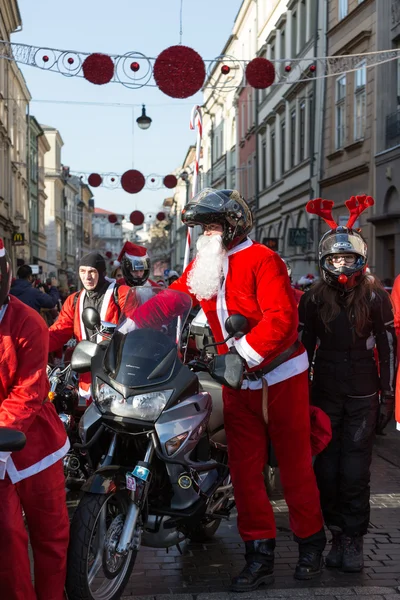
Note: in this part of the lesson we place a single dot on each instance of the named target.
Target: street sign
(18, 239)
(166, 272)
(297, 236)
(271, 243)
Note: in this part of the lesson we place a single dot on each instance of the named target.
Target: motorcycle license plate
(130, 482)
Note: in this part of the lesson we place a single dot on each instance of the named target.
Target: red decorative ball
(132, 181)
(98, 68)
(342, 278)
(136, 218)
(45, 58)
(112, 218)
(95, 180)
(313, 68)
(288, 68)
(135, 67)
(225, 69)
(170, 181)
(260, 73)
(113, 179)
(70, 60)
(108, 254)
(152, 180)
(160, 216)
(179, 71)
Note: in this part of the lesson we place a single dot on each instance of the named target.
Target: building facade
(107, 236)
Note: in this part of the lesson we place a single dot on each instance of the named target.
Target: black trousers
(343, 468)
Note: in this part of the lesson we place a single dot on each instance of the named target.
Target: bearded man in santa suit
(99, 292)
(31, 480)
(232, 274)
(135, 265)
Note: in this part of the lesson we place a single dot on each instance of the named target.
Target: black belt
(279, 360)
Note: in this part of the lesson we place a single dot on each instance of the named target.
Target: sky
(99, 138)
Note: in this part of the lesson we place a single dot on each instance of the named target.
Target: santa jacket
(69, 324)
(256, 285)
(23, 392)
(396, 303)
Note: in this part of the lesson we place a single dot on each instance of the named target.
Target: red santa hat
(133, 251)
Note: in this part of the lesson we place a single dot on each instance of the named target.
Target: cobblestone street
(207, 568)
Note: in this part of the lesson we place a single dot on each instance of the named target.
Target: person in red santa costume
(135, 265)
(31, 480)
(233, 274)
(99, 292)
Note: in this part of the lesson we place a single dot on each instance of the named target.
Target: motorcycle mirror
(81, 360)
(11, 440)
(91, 318)
(228, 370)
(109, 327)
(236, 325)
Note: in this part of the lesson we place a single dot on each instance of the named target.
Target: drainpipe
(28, 180)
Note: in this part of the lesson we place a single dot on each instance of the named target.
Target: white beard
(205, 277)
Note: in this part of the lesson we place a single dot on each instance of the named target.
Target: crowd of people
(324, 360)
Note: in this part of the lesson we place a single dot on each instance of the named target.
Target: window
(264, 164)
(343, 9)
(272, 156)
(243, 124)
(360, 101)
(293, 52)
(283, 146)
(249, 110)
(302, 130)
(283, 49)
(303, 24)
(102, 229)
(311, 113)
(340, 111)
(292, 137)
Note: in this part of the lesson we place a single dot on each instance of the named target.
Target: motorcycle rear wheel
(95, 527)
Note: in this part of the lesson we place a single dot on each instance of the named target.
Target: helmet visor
(343, 263)
(138, 264)
(209, 198)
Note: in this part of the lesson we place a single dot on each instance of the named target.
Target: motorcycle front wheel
(95, 571)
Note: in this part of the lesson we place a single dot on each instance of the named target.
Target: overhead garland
(180, 72)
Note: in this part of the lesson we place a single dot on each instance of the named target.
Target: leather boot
(334, 559)
(353, 558)
(259, 566)
(310, 555)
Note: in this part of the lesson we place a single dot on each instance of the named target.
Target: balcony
(393, 130)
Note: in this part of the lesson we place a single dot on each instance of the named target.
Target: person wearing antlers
(347, 314)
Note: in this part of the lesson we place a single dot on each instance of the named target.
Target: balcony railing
(393, 130)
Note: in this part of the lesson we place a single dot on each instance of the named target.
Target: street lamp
(185, 177)
(143, 121)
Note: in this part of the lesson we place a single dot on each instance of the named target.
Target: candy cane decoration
(196, 120)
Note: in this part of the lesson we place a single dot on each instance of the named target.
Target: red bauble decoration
(343, 278)
(112, 218)
(160, 216)
(313, 68)
(179, 71)
(170, 181)
(136, 218)
(225, 69)
(288, 68)
(98, 68)
(109, 254)
(260, 73)
(70, 60)
(132, 181)
(95, 180)
(152, 180)
(45, 58)
(135, 67)
(113, 179)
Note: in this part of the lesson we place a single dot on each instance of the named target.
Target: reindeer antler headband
(323, 208)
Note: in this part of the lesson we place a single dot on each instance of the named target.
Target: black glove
(386, 410)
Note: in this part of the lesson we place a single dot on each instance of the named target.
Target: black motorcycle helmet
(133, 259)
(5, 274)
(342, 241)
(226, 207)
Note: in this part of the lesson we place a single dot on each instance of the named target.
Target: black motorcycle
(164, 473)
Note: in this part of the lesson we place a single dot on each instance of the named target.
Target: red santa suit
(396, 303)
(69, 324)
(256, 285)
(34, 477)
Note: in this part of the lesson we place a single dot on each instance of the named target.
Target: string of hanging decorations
(180, 72)
(132, 181)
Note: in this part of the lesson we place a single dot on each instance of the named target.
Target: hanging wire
(181, 23)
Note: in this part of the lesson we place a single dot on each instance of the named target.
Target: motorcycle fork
(142, 477)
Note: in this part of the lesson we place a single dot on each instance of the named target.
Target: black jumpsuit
(346, 386)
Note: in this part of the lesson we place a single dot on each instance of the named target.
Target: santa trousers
(42, 497)
(289, 430)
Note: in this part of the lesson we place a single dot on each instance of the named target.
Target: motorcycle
(164, 477)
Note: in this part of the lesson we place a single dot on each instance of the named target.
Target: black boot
(353, 558)
(310, 555)
(259, 566)
(334, 559)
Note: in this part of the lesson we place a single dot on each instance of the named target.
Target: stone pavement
(203, 571)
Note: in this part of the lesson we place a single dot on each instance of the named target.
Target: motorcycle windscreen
(143, 349)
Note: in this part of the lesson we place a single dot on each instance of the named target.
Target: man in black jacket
(23, 290)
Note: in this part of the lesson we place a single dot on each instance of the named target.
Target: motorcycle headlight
(143, 406)
(106, 396)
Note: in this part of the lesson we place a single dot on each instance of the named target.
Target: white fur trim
(252, 357)
(133, 255)
(41, 465)
(292, 367)
(104, 307)
(2, 252)
(81, 300)
(242, 246)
